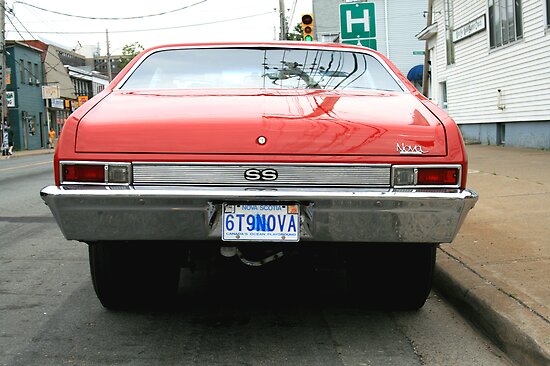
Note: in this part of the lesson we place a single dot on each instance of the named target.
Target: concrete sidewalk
(497, 271)
(18, 154)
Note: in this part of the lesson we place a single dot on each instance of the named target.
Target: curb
(522, 334)
(20, 154)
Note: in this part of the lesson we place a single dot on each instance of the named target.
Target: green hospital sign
(357, 24)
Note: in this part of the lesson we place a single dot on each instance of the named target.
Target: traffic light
(307, 27)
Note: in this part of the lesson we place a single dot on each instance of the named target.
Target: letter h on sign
(364, 20)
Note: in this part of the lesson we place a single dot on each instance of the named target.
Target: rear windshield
(260, 68)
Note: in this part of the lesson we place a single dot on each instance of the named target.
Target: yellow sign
(82, 99)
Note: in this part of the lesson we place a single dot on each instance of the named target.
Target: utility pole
(426, 71)
(282, 20)
(109, 71)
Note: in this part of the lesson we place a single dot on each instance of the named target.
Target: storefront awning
(416, 73)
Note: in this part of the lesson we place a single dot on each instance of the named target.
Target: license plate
(261, 222)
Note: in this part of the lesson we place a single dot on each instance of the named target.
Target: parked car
(258, 151)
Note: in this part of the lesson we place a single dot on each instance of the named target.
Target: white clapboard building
(490, 68)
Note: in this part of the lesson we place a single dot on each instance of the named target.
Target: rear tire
(392, 276)
(131, 275)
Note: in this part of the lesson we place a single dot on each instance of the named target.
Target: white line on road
(25, 166)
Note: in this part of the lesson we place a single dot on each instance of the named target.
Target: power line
(22, 63)
(110, 18)
(44, 71)
(51, 68)
(123, 31)
(49, 23)
(155, 29)
(33, 37)
(291, 19)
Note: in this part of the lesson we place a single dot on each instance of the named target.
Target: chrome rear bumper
(193, 213)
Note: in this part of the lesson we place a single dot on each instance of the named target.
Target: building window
(501, 134)
(449, 25)
(22, 71)
(443, 88)
(29, 69)
(548, 13)
(36, 79)
(505, 24)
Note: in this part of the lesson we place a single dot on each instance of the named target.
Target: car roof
(269, 44)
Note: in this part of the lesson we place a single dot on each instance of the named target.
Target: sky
(229, 20)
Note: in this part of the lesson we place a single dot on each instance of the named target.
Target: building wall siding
(519, 69)
(405, 19)
(327, 18)
(57, 73)
(28, 98)
(532, 134)
(526, 134)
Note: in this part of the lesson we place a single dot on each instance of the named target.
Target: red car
(254, 153)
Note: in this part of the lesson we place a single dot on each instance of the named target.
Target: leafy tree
(297, 33)
(130, 51)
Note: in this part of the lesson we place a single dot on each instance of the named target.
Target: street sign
(50, 91)
(57, 103)
(369, 42)
(419, 53)
(357, 22)
(10, 98)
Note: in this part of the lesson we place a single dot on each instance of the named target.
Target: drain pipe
(387, 29)
(425, 72)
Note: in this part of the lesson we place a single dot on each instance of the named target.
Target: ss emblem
(260, 174)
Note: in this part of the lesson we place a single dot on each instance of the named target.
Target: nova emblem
(260, 174)
(410, 150)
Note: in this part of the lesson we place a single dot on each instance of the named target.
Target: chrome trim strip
(351, 175)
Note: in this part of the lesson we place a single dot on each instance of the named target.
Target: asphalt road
(49, 314)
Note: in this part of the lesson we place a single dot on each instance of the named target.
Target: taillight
(84, 173)
(437, 176)
(100, 173)
(414, 176)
